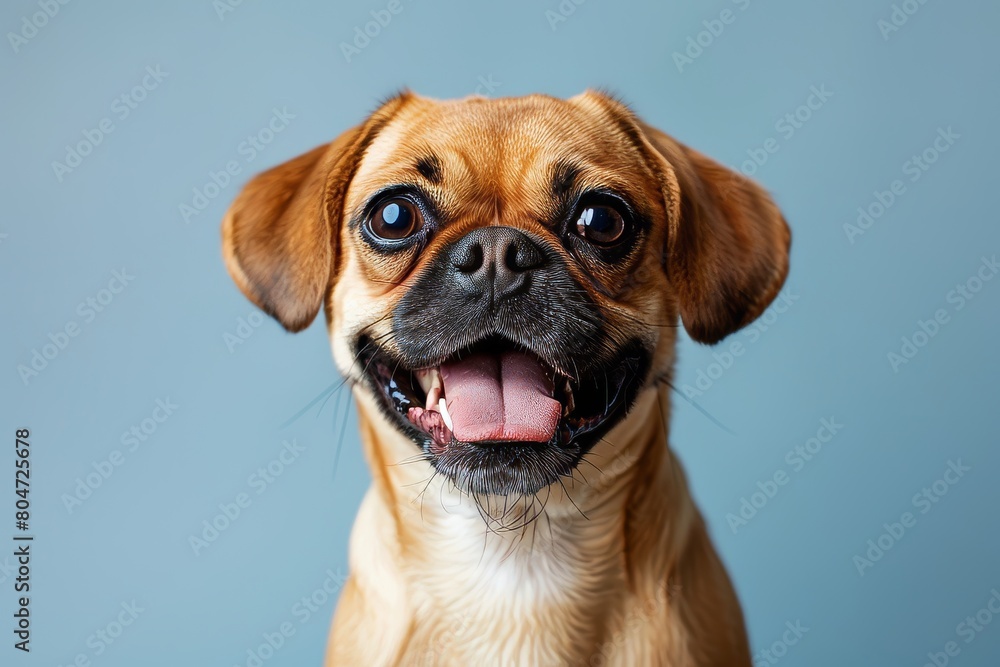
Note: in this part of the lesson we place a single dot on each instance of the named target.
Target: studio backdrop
(195, 470)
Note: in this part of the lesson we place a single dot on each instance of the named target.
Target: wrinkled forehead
(503, 148)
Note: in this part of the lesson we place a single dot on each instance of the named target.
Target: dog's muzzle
(501, 366)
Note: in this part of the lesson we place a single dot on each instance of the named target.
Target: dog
(502, 282)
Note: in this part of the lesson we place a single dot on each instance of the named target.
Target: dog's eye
(601, 225)
(396, 219)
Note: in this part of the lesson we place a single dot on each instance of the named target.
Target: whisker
(343, 432)
(416, 458)
(700, 409)
(420, 495)
(335, 387)
(573, 473)
(590, 463)
(570, 497)
(332, 389)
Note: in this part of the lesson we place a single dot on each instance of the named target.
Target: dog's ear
(279, 237)
(727, 243)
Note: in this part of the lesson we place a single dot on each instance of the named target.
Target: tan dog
(502, 281)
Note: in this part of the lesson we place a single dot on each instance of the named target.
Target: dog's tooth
(425, 378)
(430, 381)
(443, 406)
(570, 403)
(433, 396)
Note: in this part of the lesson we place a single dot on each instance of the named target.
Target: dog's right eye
(601, 225)
(395, 220)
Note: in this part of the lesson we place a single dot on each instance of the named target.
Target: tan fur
(618, 568)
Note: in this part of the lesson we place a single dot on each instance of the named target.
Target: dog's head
(503, 276)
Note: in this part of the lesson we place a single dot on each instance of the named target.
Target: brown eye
(395, 220)
(601, 225)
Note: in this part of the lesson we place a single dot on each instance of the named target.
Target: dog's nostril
(523, 255)
(469, 259)
(495, 262)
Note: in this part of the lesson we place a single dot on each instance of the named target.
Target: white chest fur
(517, 593)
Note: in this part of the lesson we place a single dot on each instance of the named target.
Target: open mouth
(497, 418)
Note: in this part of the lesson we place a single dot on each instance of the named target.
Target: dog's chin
(497, 419)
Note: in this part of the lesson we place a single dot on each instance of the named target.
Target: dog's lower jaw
(634, 582)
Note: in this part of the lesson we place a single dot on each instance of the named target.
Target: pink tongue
(505, 397)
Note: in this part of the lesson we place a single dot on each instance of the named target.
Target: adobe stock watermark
(970, 628)
(248, 149)
(223, 7)
(245, 327)
(87, 311)
(898, 17)
(450, 632)
(32, 23)
(562, 12)
(795, 459)
(104, 637)
(304, 609)
(958, 298)
(698, 43)
(122, 107)
(131, 440)
(772, 655)
(706, 377)
(923, 501)
(487, 86)
(363, 35)
(786, 126)
(8, 568)
(258, 482)
(914, 169)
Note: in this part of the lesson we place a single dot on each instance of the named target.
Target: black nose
(495, 262)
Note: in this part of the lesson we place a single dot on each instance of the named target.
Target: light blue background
(163, 336)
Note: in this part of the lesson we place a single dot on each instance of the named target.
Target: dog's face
(504, 276)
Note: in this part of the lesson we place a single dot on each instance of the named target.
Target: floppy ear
(279, 237)
(727, 244)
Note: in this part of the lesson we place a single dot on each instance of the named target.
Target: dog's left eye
(601, 225)
(395, 219)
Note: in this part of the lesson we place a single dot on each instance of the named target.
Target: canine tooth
(430, 382)
(570, 403)
(426, 376)
(444, 414)
(433, 396)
